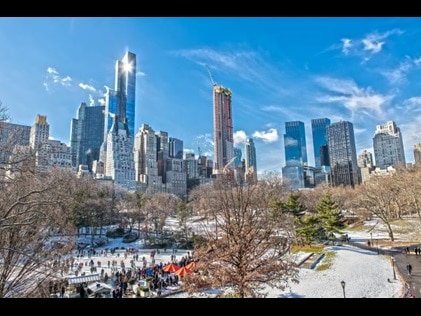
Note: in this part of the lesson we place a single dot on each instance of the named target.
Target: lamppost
(393, 267)
(343, 287)
(371, 237)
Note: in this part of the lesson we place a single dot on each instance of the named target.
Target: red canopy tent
(171, 267)
(191, 265)
(183, 271)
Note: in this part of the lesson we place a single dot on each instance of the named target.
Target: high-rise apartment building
(223, 130)
(344, 169)
(388, 146)
(295, 153)
(319, 131)
(365, 162)
(119, 161)
(145, 159)
(40, 132)
(87, 135)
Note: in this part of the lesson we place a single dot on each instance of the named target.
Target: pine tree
(331, 218)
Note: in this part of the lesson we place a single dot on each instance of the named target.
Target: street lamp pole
(343, 287)
(393, 267)
(371, 237)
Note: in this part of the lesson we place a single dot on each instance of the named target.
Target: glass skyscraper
(295, 153)
(344, 168)
(319, 131)
(87, 135)
(175, 147)
(120, 102)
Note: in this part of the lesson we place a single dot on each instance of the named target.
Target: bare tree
(34, 232)
(248, 249)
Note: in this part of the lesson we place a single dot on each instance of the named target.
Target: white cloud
(397, 75)
(367, 46)
(88, 87)
(140, 74)
(91, 100)
(240, 137)
(52, 70)
(354, 98)
(346, 45)
(269, 136)
(53, 77)
(101, 101)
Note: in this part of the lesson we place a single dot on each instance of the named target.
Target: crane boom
(210, 76)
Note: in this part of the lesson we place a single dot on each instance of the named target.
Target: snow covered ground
(366, 273)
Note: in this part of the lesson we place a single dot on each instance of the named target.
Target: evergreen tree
(331, 218)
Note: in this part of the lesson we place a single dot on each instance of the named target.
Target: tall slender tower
(120, 102)
(223, 130)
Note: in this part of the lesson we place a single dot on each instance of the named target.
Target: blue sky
(363, 70)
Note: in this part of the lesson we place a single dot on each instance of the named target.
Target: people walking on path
(409, 268)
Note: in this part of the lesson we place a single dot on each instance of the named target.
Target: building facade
(87, 135)
(295, 154)
(250, 160)
(344, 169)
(223, 130)
(388, 146)
(120, 161)
(319, 133)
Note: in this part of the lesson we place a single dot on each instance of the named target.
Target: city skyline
(362, 70)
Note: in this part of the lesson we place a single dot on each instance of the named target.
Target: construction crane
(210, 76)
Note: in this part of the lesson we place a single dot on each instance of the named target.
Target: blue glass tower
(319, 131)
(125, 85)
(295, 153)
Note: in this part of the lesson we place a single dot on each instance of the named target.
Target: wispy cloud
(346, 45)
(290, 142)
(205, 144)
(398, 74)
(88, 87)
(53, 78)
(357, 100)
(101, 101)
(248, 65)
(371, 44)
(140, 74)
(269, 136)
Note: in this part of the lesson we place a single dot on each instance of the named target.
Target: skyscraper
(175, 147)
(344, 169)
(223, 130)
(388, 146)
(319, 130)
(40, 132)
(120, 102)
(120, 160)
(250, 161)
(295, 153)
(87, 135)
